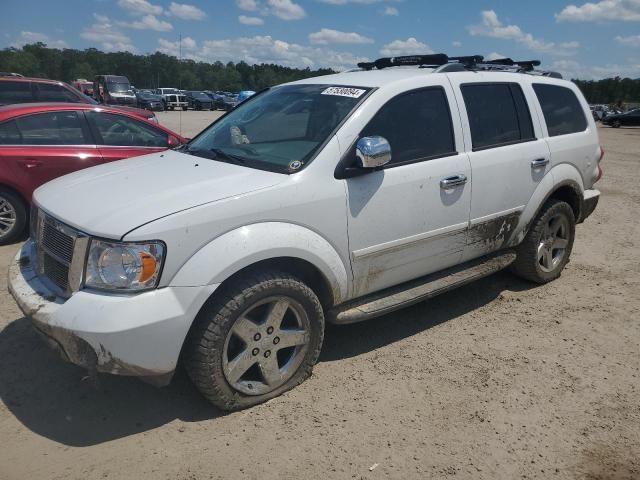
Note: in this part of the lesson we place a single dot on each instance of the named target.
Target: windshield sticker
(344, 92)
(295, 165)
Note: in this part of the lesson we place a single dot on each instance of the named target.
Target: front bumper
(136, 335)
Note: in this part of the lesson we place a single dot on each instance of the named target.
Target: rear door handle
(540, 162)
(453, 181)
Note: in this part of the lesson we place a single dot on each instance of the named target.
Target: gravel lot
(499, 379)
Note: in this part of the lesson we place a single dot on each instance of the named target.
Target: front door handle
(453, 181)
(540, 162)
(30, 163)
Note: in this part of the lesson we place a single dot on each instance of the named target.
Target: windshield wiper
(222, 155)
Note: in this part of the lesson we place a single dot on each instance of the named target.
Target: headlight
(124, 266)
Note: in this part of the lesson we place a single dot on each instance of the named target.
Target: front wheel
(616, 124)
(255, 341)
(13, 217)
(545, 251)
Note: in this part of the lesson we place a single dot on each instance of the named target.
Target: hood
(112, 199)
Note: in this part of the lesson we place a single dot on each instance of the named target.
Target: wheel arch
(281, 246)
(568, 190)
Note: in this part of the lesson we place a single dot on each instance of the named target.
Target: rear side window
(15, 92)
(56, 93)
(51, 128)
(498, 114)
(416, 124)
(561, 108)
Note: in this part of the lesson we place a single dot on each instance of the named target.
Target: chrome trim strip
(413, 239)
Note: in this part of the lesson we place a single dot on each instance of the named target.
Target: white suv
(337, 198)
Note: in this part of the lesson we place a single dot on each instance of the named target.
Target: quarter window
(9, 134)
(51, 128)
(561, 108)
(123, 131)
(498, 114)
(15, 92)
(416, 124)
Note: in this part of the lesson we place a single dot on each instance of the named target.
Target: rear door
(508, 154)
(120, 136)
(44, 146)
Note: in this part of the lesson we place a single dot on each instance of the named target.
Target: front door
(403, 223)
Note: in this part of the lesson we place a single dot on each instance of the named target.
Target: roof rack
(443, 63)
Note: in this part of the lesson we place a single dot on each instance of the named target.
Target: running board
(415, 291)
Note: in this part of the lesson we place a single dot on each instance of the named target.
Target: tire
(214, 347)
(616, 124)
(13, 217)
(537, 260)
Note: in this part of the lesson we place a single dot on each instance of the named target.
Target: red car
(27, 90)
(42, 141)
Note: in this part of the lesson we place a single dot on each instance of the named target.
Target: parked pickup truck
(331, 199)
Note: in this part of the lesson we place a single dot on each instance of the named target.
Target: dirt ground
(500, 379)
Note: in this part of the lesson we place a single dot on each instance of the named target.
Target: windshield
(119, 87)
(280, 129)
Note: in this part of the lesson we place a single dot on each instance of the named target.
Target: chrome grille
(60, 252)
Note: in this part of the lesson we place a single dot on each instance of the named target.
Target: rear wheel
(13, 216)
(255, 341)
(546, 249)
(616, 124)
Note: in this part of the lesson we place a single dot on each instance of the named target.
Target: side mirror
(373, 152)
(173, 142)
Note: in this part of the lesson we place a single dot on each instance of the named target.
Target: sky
(591, 40)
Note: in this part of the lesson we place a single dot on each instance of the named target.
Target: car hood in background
(112, 199)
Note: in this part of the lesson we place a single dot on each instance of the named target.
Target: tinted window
(56, 93)
(52, 128)
(561, 108)
(120, 130)
(498, 114)
(417, 125)
(15, 92)
(9, 134)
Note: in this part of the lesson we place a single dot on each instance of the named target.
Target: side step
(415, 291)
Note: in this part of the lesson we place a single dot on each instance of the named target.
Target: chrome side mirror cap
(373, 152)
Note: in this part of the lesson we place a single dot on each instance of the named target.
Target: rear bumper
(135, 335)
(589, 203)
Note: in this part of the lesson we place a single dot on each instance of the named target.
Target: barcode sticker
(344, 92)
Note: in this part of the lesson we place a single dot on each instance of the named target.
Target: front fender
(247, 245)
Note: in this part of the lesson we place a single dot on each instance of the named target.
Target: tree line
(146, 71)
(162, 70)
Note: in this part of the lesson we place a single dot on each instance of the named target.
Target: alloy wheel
(266, 345)
(7, 217)
(553, 243)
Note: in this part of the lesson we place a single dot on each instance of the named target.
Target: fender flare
(560, 176)
(244, 246)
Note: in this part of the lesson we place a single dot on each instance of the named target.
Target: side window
(561, 108)
(416, 124)
(498, 114)
(9, 133)
(56, 93)
(51, 128)
(15, 92)
(123, 131)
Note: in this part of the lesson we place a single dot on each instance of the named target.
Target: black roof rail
(444, 63)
